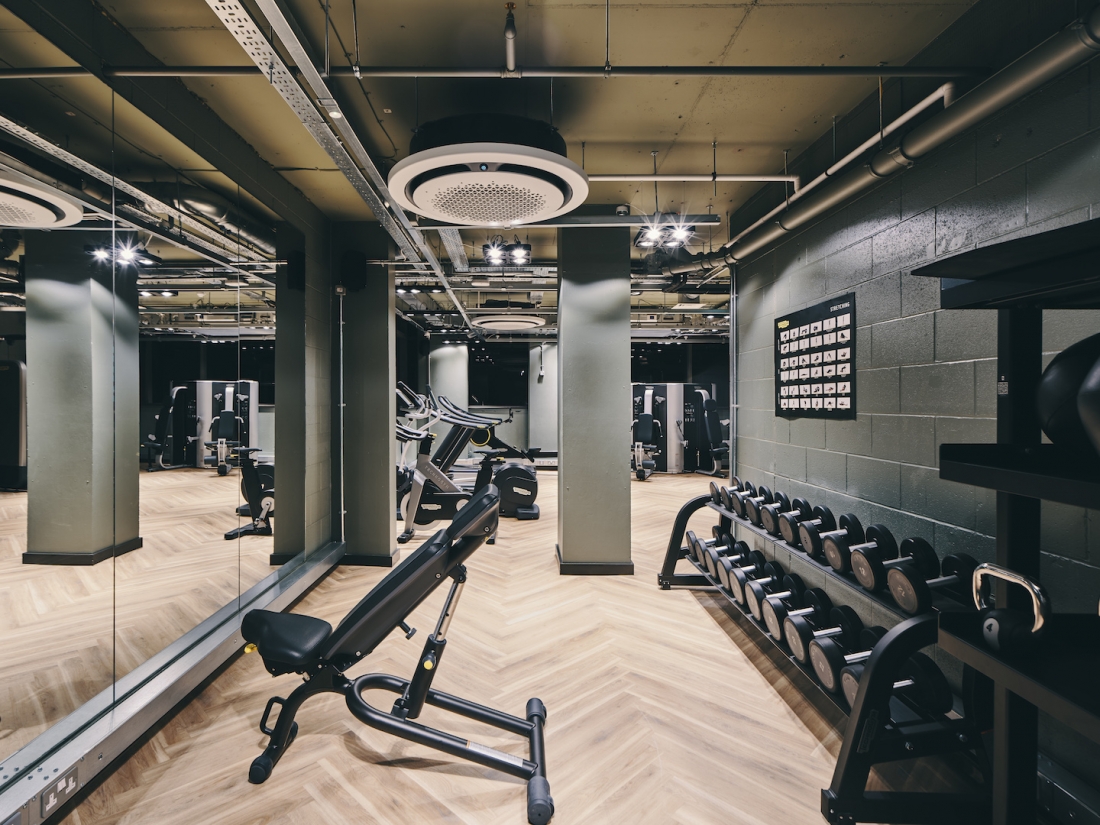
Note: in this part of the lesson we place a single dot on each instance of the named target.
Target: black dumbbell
(754, 506)
(768, 573)
(829, 655)
(729, 495)
(753, 560)
(815, 604)
(839, 548)
(921, 682)
(790, 587)
(870, 562)
(912, 588)
(799, 631)
(771, 515)
(809, 531)
(698, 546)
(740, 499)
(716, 490)
(849, 531)
(713, 555)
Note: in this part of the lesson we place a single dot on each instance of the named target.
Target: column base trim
(367, 560)
(593, 568)
(84, 559)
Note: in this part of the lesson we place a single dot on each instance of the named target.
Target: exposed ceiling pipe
(708, 178)
(51, 72)
(250, 36)
(1060, 53)
(510, 39)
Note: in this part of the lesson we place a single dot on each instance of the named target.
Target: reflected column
(83, 432)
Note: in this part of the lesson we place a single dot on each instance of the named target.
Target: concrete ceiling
(619, 121)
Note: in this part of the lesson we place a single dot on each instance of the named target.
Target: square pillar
(369, 368)
(594, 404)
(83, 433)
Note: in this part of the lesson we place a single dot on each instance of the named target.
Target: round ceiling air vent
(508, 323)
(28, 204)
(488, 170)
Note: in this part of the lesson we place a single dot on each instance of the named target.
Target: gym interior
(720, 382)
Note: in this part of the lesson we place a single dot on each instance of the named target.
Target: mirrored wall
(137, 435)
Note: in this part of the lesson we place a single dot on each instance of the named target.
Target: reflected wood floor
(657, 713)
(68, 630)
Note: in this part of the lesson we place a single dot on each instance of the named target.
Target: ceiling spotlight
(400, 290)
(146, 294)
(519, 252)
(414, 291)
(635, 292)
(437, 290)
(494, 251)
(126, 254)
(664, 231)
(101, 254)
(167, 293)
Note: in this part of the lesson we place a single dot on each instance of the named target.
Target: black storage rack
(879, 727)
(1021, 278)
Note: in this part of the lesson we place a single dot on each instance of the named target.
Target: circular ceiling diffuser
(488, 170)
(508, 323)
(28, 204)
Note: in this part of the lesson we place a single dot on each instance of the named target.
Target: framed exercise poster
(815, 357)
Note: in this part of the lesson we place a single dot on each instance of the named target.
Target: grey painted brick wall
(927, 376)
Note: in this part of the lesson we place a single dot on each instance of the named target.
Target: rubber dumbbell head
(811, 530)
(922, 684)
(698, 546)
(771, 515)
(730, 496)
(815, 605)
(770, 573)
(790, 587)
(870, 562)
(799, 631)
(754, 506)
(829, 656)
(836, 545)
(740, 500)
(729, 549)
(913, 591)
(750, 560)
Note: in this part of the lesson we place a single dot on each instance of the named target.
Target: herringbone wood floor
(657, 713)
(67, 631)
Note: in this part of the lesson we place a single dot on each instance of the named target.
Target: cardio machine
(294, 643)
(646, 430)
(170, 443)
(261, 500)
(433, 495)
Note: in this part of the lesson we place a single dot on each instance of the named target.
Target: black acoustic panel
(353, 270)
(815, 361)
(296, 270)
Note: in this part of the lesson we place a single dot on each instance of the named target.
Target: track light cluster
(658, 235)
(123, 254)
(499, 253)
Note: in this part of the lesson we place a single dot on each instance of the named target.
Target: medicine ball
(1088, 404)
(1057, 394)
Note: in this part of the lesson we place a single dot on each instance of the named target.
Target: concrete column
(370, 379)
(449, 372)
(83, 431)
(290, 394)
(542, 397)
(594, 401)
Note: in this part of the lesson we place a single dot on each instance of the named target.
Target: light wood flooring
(69, 631)
(657, 712)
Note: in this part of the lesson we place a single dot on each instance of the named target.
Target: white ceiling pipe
(707, 178)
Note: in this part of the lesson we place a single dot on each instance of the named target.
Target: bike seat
(287, 642)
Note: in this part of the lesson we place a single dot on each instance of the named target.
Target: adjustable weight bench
(292, 643)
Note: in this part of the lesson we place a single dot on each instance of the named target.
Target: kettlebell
(1005, 629)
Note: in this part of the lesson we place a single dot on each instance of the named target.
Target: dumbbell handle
(857, 658)
(952, 579)
(832, 534)
(783, 595)
(812, 522)
(825, 632)
(790, 513)
(867, 545)
(802, 611)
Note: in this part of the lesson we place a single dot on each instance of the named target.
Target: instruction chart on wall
(815, 356)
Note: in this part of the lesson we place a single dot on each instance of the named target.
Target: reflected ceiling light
(400, 290)
(437, 290)
(146, 293)
(414, 291)
(167, 293)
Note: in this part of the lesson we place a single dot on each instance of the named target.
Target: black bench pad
(286, 641)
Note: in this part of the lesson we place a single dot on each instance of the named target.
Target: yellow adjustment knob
(250, 648)
(428, 664)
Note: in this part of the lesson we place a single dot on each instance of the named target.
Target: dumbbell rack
(879, 728)
(1054, 270)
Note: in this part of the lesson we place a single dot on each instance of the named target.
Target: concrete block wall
(926, 376)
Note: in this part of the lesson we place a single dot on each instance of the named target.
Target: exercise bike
(645, 430)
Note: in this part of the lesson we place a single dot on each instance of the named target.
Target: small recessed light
(387, 111)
